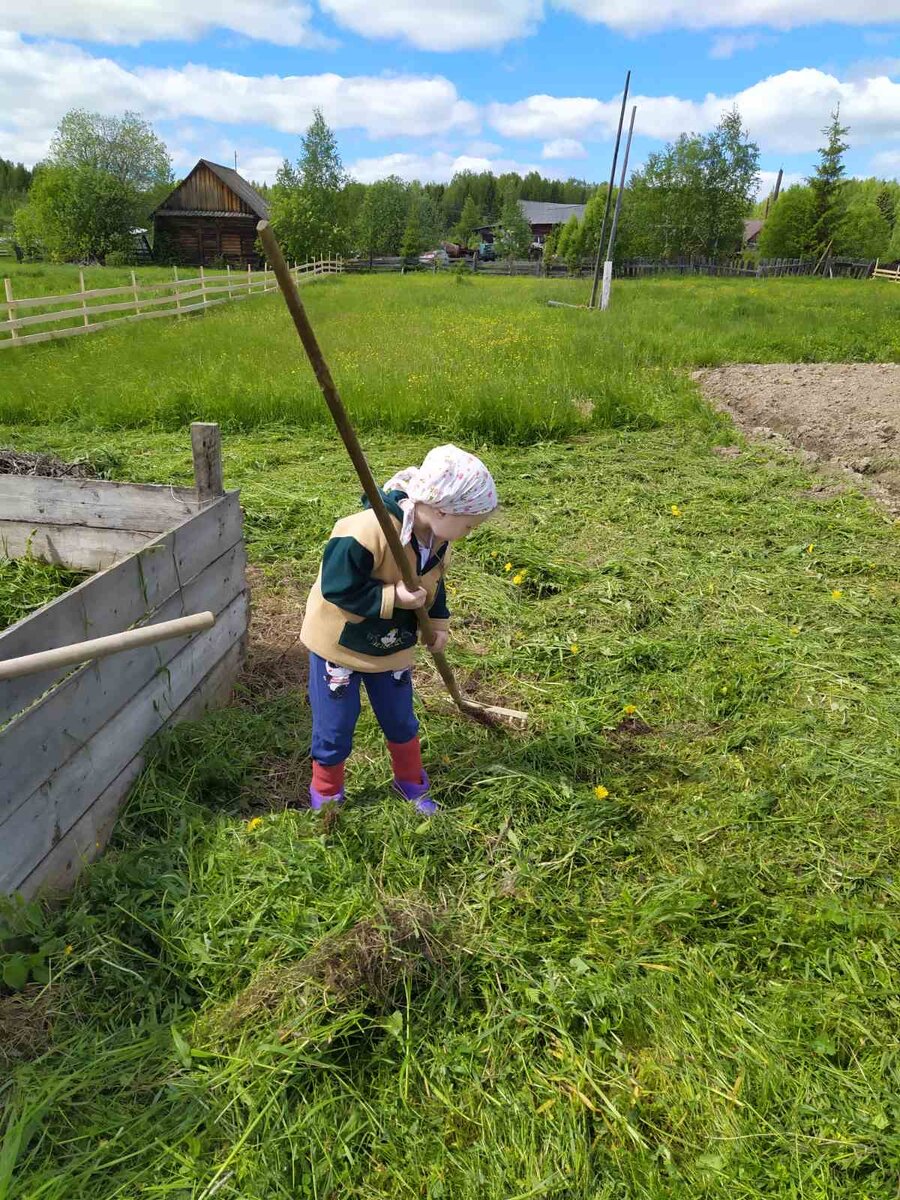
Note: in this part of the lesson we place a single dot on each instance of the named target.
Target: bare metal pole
(609, 191)
(607, 274)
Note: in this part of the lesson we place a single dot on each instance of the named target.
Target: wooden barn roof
(249, 197)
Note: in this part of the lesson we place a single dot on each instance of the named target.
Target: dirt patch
(843, 415)
(24, 462)
(276, 660)
(26, 1025)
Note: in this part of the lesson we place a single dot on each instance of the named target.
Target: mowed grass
(26, 584)
(468, 358)
(648, 949)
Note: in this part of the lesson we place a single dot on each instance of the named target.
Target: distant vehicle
(487, 252)
(440, 256)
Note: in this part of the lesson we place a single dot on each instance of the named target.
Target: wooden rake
(488, 714)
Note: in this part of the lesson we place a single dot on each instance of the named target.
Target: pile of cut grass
(417, 354)
(26, 584)
(648, 950)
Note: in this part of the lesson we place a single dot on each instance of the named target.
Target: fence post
(202, 286)
(206, 446)
(249, 280)
(10, 304)
(228, 273)
(177, 292)
(134, 292)
(265, 277)
(84, 311)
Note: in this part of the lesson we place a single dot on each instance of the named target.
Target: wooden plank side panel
(38, 741)
(88, 836)
(116, 599)
(73, 546)
(96, 503)
(35, 828)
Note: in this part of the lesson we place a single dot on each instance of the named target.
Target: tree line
(104, 175)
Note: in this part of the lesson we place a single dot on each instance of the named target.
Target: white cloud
(40, 82)
(441, 24)
(438, 167)
(644, 16)
(784, 112)
(564, 148)
(887, 162)
(284, 22)
(726, 45)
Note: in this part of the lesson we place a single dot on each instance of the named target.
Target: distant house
(752, 229)
(542, 216)
(211, 216)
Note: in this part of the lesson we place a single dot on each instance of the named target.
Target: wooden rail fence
(144, 302)
(886, 272)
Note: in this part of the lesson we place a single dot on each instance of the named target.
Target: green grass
(685, 987)
(482, 358)
(26, 584)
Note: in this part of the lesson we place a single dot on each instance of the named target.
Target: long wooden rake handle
(355, 450)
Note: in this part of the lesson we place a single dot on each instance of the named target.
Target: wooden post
(177, 292)
(249, 280)
(228, 273)
(265, 277)
(134, 291)
(10, 305)
(206, 444)
(84, 309)
(609, 192)
(202, 285)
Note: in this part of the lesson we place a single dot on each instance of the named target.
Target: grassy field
(483, 358)
(648, 950)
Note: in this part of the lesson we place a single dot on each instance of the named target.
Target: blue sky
(425, 88)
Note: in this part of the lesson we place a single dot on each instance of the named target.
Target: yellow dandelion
(507, 566)
(494, 553)
(676, 511)
(574, 648)
(518, 578)
(836, 594)
(810, 547)
(69, 950)
(254, 823)
(629, 710)
(601, 792)
(795, 631)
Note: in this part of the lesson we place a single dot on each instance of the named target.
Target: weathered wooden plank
(206, 449)
(37, 742)
(85, 841)
(74, 546)
(100, 293)
(117, 598)
(36, 827)
(96, 326)
(95, 503)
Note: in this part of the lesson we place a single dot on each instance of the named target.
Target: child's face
(448, 527)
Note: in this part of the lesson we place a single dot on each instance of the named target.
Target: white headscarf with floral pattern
(449, 479)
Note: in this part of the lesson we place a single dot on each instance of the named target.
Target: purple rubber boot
(417, 794)
(317, 801)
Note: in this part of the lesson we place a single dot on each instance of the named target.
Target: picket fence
(145, 300)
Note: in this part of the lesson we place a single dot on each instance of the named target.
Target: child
(360, 622)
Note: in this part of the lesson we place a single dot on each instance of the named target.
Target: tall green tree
(826, 181)
(382, 218)
(79, 213)
(692, 196)
(125, 147)
(306, 208)
(862, 232)
(514, 236)
(15, 180)
(413, 238)
(569, 247)
(887, 205)
(469, 220)
(788, 231)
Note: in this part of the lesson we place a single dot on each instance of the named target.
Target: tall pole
(778, 183)
(607, 266)
(609, 192)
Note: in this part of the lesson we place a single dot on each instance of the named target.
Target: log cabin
(209, 218)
